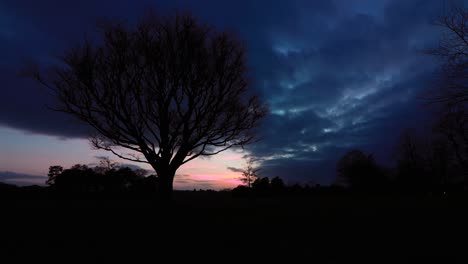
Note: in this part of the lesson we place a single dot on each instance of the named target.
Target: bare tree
(168, 91)
(453, 50)
(250, 174)
(453, 93)
(453, 125)
(105, 165)
(411, 154)
(410, 149)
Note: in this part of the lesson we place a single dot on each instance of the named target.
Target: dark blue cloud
(21, 179)
(337, 74)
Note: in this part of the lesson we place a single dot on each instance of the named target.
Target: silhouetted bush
(241, 191)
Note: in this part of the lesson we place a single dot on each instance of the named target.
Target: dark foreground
(204, 226)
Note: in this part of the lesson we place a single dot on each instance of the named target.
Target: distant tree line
(438, 162)
(106, 178)
(83, 179)
(427, 166)
(264, 187)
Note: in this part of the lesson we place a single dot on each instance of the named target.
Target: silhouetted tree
(360, 172)
(54, 171)
(261, 184)
(249, 175)
(453, 50)
(105, 165)
(170, 89)
(79, 178)
(453, 124)
(410, 155)
(80, 167)
(439, 162)
(452, 94)
(426, 165)
(277, 184)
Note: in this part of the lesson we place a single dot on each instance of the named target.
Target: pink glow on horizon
(211, 177)
(28, 153)
(212, 173)
(207, 181)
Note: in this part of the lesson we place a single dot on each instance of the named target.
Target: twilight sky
(337, 75)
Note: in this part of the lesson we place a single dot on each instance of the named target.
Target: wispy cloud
(235, 169)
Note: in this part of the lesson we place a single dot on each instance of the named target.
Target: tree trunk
(165, 181)
(165, 185)
(165, 178)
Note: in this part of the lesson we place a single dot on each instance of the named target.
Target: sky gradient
(337, 75)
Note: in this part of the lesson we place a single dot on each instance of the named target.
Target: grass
(212, 225)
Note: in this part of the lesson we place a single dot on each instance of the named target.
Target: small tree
(411, 154)
(105, 165)
(168, 91)
(54, 171)
(249, 175)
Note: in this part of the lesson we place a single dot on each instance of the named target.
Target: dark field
(215, 226)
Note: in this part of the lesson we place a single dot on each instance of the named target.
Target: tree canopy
(169, 90)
